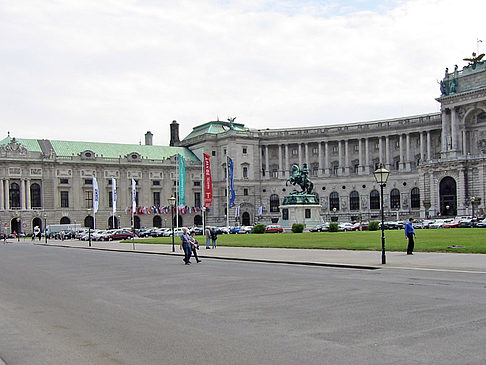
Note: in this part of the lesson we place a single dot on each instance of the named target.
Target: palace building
(437, 163)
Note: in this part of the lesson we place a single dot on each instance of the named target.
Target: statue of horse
(299, 177)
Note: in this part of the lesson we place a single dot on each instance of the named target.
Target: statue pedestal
(308, 214)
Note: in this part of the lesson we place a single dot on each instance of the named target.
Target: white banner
(134, 196)
(113, 194)
(96, 195)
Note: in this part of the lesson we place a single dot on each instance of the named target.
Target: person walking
(207, 233)
(186, 245)
(194, 247)
(214, 237)
(410, 235)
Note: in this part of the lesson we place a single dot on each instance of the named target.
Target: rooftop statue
(474, 60)
(299, 177)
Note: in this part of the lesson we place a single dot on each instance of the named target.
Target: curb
(287, 262)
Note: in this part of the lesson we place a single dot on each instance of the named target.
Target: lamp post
(381, 176)
(45, 227)
(172, 204)
(447, 210)
(89, 228)
(473, 201)
(204, 219)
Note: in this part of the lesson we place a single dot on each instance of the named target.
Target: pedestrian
(214, 237)
(194, 247)
(186, 245)
(207, 233)
(410, 235)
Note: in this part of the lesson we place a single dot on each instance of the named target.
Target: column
(267, 167)
(346, 157)
(340, 158)
(22, 194)
(1, 196)
(429, 146)
(422, 147)
(27, 188)
(286, 169)
(402, 155)
(360, 155)
(387, 151)
(464, 144)
(326, 158)
(408, 163)
(454, 128)
(380, 147)
(320, 171)
(434, 202)
(7, 196)
(306, 146)
(280, 167)
(367, 155)
(444, 132)
(300, 155)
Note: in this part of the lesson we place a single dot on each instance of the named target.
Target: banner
(260, 210)
(96, 195)
(208, 182)
(237, 211)
(230, 182)
(113, 194)
(182, 180)
(134, 196)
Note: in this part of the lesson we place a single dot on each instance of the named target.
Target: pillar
(326, 158)
(346, 157)
(380, 147)
(29, 198)
(454, 129)
(320, 171)
(286, 159)
(360, 155)
(402, 154)
(1, 195)
(422, 147)
(367, 155)
(300, 155)
(306, 146)
(340, 158)
(7, 196)
(267, 167)
(429, 146)
(22, 194)
(408, 162)
(280, 167)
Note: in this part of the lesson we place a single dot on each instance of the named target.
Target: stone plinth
(308, 214)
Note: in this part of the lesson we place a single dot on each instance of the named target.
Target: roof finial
(8, 134)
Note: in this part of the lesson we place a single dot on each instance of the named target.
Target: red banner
(208, 182)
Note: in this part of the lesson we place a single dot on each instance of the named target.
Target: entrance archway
(65, 220)
(110, 222)
(37, 222)
(245, 219)
(15, 225)
(136, 222)
(448, 196)
(89, 222)
(157, 221)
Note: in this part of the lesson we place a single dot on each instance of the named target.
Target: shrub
(373, 226)
(259, 228)
(333, 227)
(298, 227)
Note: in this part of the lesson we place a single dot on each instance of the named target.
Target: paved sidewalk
(336, 258)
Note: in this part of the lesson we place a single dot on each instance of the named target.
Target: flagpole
(203, 194)
(177, 191)
(227, 191)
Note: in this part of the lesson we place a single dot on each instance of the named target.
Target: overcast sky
(110, 70)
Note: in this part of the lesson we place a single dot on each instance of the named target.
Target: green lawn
(473, 240)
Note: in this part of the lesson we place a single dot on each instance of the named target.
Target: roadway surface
(78, 306)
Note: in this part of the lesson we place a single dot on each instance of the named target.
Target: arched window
(65, 220)
(415, 198)
(354, 200)
(157, 221)
(14, 195)
(334, 200)
(245, 172)
(274, 203)
(88, 222)
(374, 199)
(395, 199)
(35, 196)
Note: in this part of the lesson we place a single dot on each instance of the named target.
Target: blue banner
(230, 181)
(182, 180)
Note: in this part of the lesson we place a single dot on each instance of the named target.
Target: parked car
(119, 234)
(177, 232)
(481, 224)
(197, 230)
(345, 226)
(319, 228)
(438, 223)
(454, 224)
(245, 230)
(222, 230)
(274, 228)
(234, 230)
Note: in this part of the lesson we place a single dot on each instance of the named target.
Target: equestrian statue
(299, 177)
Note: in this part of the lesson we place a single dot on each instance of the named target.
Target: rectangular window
(307, 213)
(156, 198)
(88, 198)
(213, 153)
(88, 181)
(109, 181)
(294, 152)
(285, 214)
(197, 183)
(356, 148)
(156, 182)
(274, 173)
(63, 181)
(315, 151)
(64, 199)
(245, 191)
(197, 199)
(245, 150)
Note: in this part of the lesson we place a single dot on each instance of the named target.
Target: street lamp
(45, 227)
(473, 201)
(334, 210)
(204, 219)
(381, 176)
(172, 204)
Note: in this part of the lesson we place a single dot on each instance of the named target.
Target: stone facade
(437, 165)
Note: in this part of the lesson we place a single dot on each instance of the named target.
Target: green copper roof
(108, 150)
(31, 144)
(214, 127)
(115, 150)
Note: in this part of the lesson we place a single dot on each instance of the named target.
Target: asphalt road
(75, 306)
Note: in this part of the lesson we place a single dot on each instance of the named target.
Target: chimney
(174, 133)
(148, 138)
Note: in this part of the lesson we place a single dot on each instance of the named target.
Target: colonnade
(24, 190)
(342, 155)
